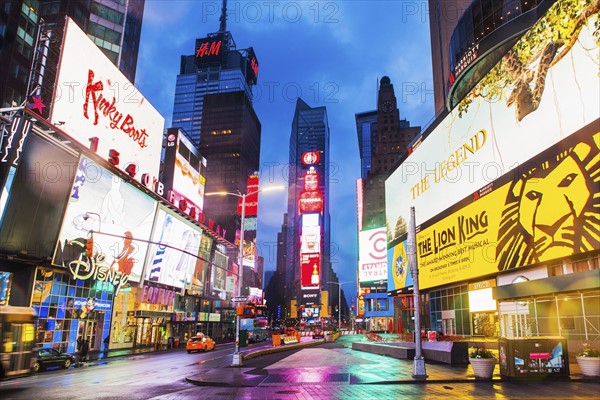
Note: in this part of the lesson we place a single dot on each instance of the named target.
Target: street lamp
(237, 359)
(339, 301)
(419, 371)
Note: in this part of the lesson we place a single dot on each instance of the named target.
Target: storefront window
(454, 299)
(68, 308)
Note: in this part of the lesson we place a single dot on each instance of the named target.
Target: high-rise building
(230, 142)
(216, 66)
(27, 25)
(443, 17)
(383, 137)
(307, 241)
(469, 36)
(366, 127)
(213, 107)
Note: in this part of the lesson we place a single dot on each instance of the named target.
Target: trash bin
(533, 357)
(243, 338)
(276, 340)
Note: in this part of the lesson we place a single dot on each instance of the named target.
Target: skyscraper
(230, 142)
(383, 137)
(469, 36)
(216, 66)
(213, 107)
(307, 233)
(27, 25)
(443, 17)
(366, 128)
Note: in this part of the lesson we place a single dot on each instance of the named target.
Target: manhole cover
(287, 392)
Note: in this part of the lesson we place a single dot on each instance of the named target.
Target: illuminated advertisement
(310, 270)
(117, 214)
(310, 157)
(310, 202)
(249, 253)
(198, 281)
(372, 263)
(251, 201)
(310, 296)
(252, 66)
(210, 50)
(359, 203)
(219, 275)
(546, 211)
(183, 170)
(172, 260)
(399, 275)
(310, 240)
(541, 91)
(97, 106)
(311, 181)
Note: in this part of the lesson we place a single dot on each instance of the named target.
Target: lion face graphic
(552, 211)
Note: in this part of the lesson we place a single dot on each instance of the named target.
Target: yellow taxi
(199, 342)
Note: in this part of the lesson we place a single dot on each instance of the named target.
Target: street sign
(239, 299)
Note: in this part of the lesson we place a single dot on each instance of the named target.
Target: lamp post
(237, 358)
(339, 301)
(419, 362)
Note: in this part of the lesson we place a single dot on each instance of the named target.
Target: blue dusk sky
(329, 53)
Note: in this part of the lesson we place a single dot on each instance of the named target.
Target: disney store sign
(94, 267)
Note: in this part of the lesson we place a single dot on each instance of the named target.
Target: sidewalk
(320, 366)
(94, 357)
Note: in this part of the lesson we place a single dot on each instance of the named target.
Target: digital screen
(210, 49)
(116, 212)
(310, 269)
(33, 203)
(183, 170)
(372, 264)
(96, 103)
(172, 261)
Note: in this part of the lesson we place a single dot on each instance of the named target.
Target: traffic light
(89, 247)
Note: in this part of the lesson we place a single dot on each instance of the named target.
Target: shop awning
(554, 284)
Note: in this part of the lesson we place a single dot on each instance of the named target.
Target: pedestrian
(79, 343)
(106, 339)
(85, 347)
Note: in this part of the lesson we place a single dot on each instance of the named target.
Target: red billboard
(311, 180)
(251, 198)
(310, 202)
(311, 157)
(310, 270)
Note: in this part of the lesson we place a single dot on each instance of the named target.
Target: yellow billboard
(544, 210)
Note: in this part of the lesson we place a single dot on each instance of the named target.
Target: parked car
(46, 357)
(199, 343)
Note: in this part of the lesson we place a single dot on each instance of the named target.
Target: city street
(327, 371)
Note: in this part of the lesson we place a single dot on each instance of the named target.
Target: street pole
(419, 362)
(339, 307)
(237, 359)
